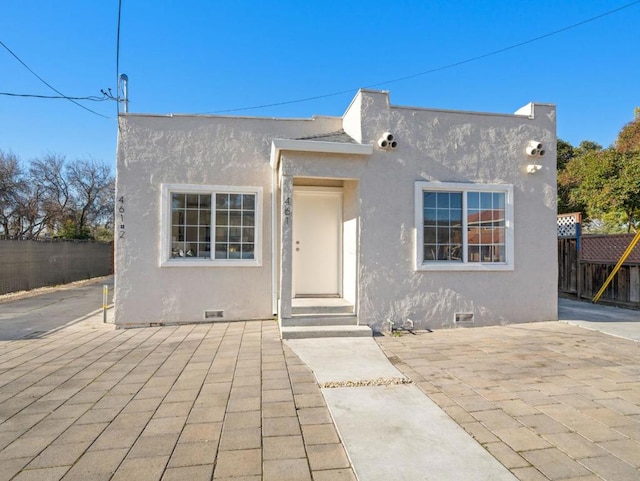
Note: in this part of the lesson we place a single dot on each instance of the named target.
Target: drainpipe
(274, 243)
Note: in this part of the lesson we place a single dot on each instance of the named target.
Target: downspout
(274, 243)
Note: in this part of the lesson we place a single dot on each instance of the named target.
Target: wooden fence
(583, 271)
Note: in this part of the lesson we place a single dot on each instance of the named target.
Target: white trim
(278, 145)
(165, 227)
(420, 265)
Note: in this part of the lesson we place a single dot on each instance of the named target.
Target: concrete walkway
(391, 430)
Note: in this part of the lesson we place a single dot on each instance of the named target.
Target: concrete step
(306, 320)
(312, 332)
(321, 309)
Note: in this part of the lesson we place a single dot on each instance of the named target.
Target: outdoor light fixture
(533, 168)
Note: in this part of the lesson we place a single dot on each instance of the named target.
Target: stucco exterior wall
(455, 147)
(433, 145)
(153, 150)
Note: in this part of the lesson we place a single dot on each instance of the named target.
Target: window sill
(469, 267)
(210, 263)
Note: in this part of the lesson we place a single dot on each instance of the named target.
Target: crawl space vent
(464, 318)
(213, 314)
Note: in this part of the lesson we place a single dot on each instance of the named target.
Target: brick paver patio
(210, 401)
(550, 401)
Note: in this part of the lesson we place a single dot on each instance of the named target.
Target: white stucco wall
(455, 147)
(434, 145)
(153, 150)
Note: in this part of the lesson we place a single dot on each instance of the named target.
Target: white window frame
(165, 255)
(422, 265)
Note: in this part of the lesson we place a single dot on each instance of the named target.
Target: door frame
(321, 191)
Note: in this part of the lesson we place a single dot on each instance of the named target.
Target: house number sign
(121, 214)
(286, 208)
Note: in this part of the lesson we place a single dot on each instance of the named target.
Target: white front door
(317, 241)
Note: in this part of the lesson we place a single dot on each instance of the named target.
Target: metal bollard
(105, 299)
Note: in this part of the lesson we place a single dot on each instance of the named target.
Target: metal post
(105, 298)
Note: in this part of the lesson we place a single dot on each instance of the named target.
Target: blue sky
(194, 56)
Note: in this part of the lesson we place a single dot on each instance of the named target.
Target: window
(208, 225)
(464, 226)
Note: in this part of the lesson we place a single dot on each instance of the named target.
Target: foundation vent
(464, 318)
(213, 314)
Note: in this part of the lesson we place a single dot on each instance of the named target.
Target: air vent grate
(464, 317)
(213, 314)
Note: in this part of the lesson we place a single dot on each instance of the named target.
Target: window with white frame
(464, 226)
(207, 225)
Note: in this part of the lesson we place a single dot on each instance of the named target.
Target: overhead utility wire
(438, 69)
(70, 99)
(93, 98)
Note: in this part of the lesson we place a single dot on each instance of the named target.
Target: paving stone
(625, 449)
(521, 439)
(246, 438)
(314, 416)
(247, 419)
(327, 456)
(334, 475)
(192, 454)
(164, 426)
(141, 469)
(611, 468)
(153, 445)
(56, 455)
(201, 432)
(529, 474)
(42, 474)
(96, 465)
(238, 463)
(283, 447)
(286, 470)
(320, 434)
(507, 456)
(555, 464)
(243, 404)
(278, 409)
(189, 473)
(285, 426)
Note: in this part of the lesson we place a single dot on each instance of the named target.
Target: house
(386, 216)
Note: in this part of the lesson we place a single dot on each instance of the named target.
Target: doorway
(317, 242)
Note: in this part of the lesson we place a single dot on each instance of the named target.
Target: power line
(441, 68)
(92, 98)
(70, 99)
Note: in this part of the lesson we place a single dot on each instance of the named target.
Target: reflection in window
(464, 226)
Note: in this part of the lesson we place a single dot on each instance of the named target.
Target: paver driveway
(548, 400)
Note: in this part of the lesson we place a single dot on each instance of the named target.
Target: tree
(12, 188)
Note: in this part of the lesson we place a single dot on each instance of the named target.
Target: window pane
(221, 251)
(485, 200)
(473, 200)
(455, 199)
(248, 234)
(222, 218)
(205, 201)
(235, 201)
(443, 235)
(192, 201)
(235, 218)
(247, 251)
(234, 251)
(442, 200)
(222, 201)
(429, 235)
(192, 217)
(430, 252)
(248, 202)
(498, 200)
(430, 216)
(205, 217)
(429, 200)
(221, 234)
(235, 234)
(249, 219)
(177, 201)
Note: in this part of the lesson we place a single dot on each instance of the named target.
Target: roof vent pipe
(124, 88)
